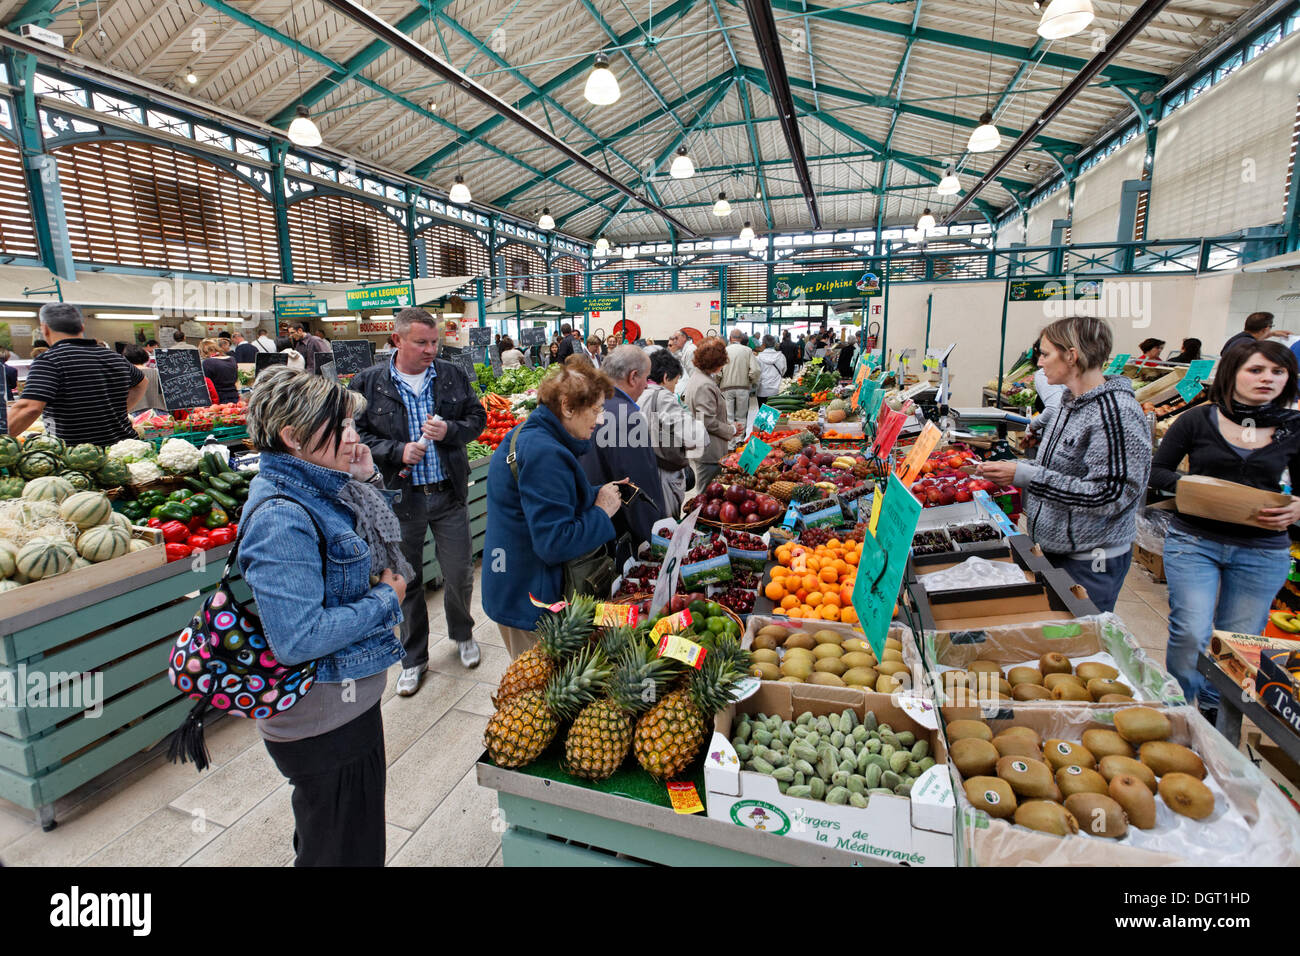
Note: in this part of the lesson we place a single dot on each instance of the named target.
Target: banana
(1285, 622)
(843, 463)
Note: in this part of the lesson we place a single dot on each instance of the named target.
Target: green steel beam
(709, 106)
(896, 93)
(41, 12)
(959, 41)
(859, 191)
(627, 55)
(431, 162)
(757, 156)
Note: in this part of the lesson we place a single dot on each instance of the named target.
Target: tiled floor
(150, 812)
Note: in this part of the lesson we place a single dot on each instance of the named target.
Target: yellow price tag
(684, 798)
(877, 500)
(681, 649)
(926, 442)
(673, 622)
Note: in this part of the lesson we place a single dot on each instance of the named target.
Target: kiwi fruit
(1063, 753)
(794, 667)
(973, 757)
(828, 637)
(790, 680)
(765, 671)
(1017, 745)
(952, 679)
(887, 684)
(799, 640)
(860, 677)
(986, 667)
(986, 685)
(889, 654)
(1115, 699)
(1115, 764)
(1137, 725)
(1076, 779)
(893, 644)
(1053, 681)
(858, 659)
(1098, 814)
(856, 644)
(1024, 675)
(1163, 757)
(963, 729)
(1046, 816)
(1069, 691)
(1138, 802)
(825, 679)
(803, 652)
(1024, 732)
(1105, 743)
(1090, 670)
(776, 631)
(1185, 794)
(763, 642)
(1052, 663)
(992, 795)
(1029, 691)
(1099, 687)
(892, 667)
(764, 657)
(823, 651)
(830, 665)
(1028, 778)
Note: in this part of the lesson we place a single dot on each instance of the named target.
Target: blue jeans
(1215, 586)
(1103, 578)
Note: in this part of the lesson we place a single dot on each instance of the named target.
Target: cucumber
(227, 502)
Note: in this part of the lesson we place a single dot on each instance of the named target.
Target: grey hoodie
(1083, 492)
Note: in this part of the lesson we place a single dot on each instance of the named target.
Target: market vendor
(420, 414)
(83, 391)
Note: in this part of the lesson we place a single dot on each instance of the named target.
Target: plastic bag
(973, 573)
(1152, 526)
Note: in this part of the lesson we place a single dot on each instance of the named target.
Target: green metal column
(482, 300)
(1002, 342)
(280, 200)
(41, 171)
(929, 311)
(412, 192)
(884, 318)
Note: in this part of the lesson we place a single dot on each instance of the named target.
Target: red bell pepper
(222, 536)
(176, 551)
(199, 542)
(196, 524)
(174, 532)
(155, 522)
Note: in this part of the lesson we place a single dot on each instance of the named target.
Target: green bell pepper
(150, 498)
(180, 494)
(217, 518)
(200, 504)
(176, 511)
(134, 510)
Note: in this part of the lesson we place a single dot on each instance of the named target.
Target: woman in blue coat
(553, 513)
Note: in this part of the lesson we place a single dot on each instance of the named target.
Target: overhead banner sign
(300, 308)
(396, 295)
(824, 286)
(1039, 290)
(593, 303)
(375, 326)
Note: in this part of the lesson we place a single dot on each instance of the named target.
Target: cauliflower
(129, 450)
(179, 456)
(143, 472)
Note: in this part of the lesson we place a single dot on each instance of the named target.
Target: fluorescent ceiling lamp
(722, 207)
(926, 222)
(302, 131)
(950, 185)
(602, 85)
(682, 167)
(546, 222)
(459, 192)
(17, 315)
(1065, 18)
(747, 234)
(985, 137)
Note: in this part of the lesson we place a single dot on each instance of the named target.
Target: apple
(728, 513)
(946, 495)
(715, 489)
(963, 493)
(735, 493)
(677, 603)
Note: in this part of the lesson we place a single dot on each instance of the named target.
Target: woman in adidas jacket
(1082, 494)
(771, 369)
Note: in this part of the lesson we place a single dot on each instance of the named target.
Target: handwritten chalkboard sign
(265, 360)
(480, 335)
(462, 358)
(180, 374)
(351, 355)
(532, 335)
(494, 356)
(479, 354)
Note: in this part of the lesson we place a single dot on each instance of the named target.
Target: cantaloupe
(102, 542)
(835, 415)
(121, 521)
(80, 563)
(86, 509)
(138, 544)
(8, 559)
(8, 586)
(49, 488)
(44, 558)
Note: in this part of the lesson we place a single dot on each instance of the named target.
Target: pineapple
(782, 490)
(807, 438)
(670, 734)
(805, 493)
(599, 739)
(792, 446)
(524, 726)
(728, 649)
(559, 636)
(614, 641)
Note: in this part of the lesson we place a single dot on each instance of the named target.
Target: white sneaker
(409, 682)
(469, 653)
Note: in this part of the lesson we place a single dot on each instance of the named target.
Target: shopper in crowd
(707, 405)
(683, 349)
(307, 344)
(11, 373)
(554, 354)
(83, 391)
(592, 353)
(1048, 394)
(671, 431)
(1150, 349)
(221, 369)
(739, 376)
(284, 345)
(39, 350)
(568, 342)
(622, 449)
(611, 343)
(420, 414)
(264, 342)
(179, 341)
(1082, 494)
(245, 351)
(1191, 351)
(550, 512)
(153, 396)
(308, 559)
(772, 368)
(848, 351)
(1222, 575)
(791, 352)
(1258, 327)
(226, 345)
(511, 357)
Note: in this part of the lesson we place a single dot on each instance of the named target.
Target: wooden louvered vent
(568, 279)
(524, 260)
(455, 252)
(341, 239)
(151, 206)
(17, 231)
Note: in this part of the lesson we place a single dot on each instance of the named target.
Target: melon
(86, 509)
(8, 586)
(49, 488)
(8, 557)
(139, 544)
(120, 521)
(835, 416)
(32, 512)
(103, 542)
(80, 563)
(44, 558)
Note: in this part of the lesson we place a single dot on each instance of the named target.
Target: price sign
(880, 570)
(480, 335)
(753, 454)
(865, 394)
(1117, 364)
(891, 423)
(766, 418)
(1194, 380)
(926, 442)
(264, 360)
(670, 570)
(180, 373)
(875, 398)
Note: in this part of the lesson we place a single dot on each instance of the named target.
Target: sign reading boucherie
(824, 286)
(375, 327)
(397, 294)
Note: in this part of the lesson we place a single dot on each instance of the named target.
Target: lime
(718, 625)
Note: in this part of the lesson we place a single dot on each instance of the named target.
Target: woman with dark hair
(1150, 349)
(511, 357)
(1191, 352)
(1224, 575)
(668, 427)
(553, 353)
(708, 406)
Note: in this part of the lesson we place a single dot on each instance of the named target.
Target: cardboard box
(1252, 824)
(1051, 595)
(1153, 562)
(1225, 500)
(1013, 549)
(1276, 684)
(917, 831)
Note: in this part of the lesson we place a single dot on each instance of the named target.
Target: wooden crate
(40, 593)
(1155, 563)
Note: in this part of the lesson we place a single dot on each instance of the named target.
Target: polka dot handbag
(224, 661)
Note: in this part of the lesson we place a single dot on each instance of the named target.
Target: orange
(775, 591)
(828, 575)
(848, 615)
(814, 598)
(830, 612)
(796, 612)
(789, 601)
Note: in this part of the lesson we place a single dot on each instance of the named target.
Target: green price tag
(873, 406)
(873, 361)
(1117, 364)
(1194, 380)
(875, 590)
(766, 418)
(864, 393)
(1056, 632)
(754, 453)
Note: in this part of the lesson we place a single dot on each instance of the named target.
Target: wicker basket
(757, 527)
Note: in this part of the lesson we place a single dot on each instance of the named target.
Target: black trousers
(338, 793)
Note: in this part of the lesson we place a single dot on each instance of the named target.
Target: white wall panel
(1098, 191)
(1041, 217)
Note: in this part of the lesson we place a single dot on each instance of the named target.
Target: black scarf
(1272, 415)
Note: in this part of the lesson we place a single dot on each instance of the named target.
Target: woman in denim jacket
(330, 745)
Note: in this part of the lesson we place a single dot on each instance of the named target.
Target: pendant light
(950, 185)
(545, 222)
(602, 246)
(926, 222)
(190, 76)
(1065, 18)
(459, 192)
(629, 252)
(722, 207)
(602, 85)
(302, 131)
(985, 137)
(682, 167)
(747, 234)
